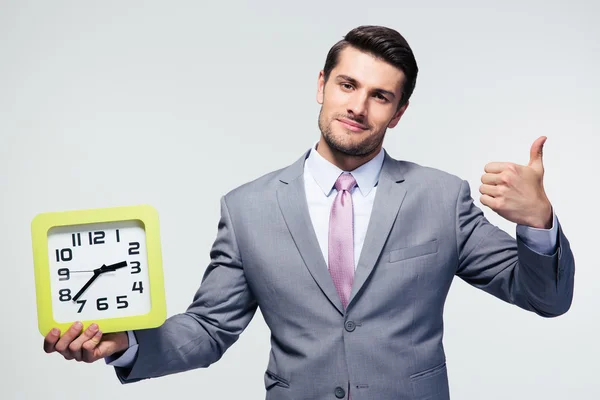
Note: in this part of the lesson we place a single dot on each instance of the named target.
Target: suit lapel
(292, 202)
(388, 199)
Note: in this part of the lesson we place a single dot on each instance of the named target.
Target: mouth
(351, 125)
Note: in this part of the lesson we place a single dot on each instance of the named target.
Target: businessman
(350, 253)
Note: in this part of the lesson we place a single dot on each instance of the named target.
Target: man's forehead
(367, 69)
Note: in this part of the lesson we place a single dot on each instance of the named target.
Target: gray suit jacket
(424, 230)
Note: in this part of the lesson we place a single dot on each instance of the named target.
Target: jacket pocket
(272, 379)
(431, 383)
(428, 372)
(414, 251)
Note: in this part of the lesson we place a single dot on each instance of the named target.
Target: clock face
(98, 271)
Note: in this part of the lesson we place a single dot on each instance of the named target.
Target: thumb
(112, 343)
(536, 154)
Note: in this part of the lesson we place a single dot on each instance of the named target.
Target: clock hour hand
(87, 284)
(113, 267)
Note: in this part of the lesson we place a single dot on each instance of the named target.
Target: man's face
(359, 102)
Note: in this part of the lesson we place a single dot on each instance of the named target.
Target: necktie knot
(345, 182)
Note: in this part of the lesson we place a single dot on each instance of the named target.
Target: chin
(350, 147)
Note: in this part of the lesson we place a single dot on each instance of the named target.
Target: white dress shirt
(319, 180)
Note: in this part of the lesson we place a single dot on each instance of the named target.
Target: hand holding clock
(90, 345)
(87, 346)
(71, 311)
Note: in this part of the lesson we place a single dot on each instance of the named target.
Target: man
(350, 254)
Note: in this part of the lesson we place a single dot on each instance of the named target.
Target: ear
(398, 115)
(320, 87)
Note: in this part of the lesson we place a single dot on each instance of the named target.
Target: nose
(357, 105)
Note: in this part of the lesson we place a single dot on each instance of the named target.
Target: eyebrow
(353, 81)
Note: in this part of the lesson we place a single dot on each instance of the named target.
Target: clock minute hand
(87, 284)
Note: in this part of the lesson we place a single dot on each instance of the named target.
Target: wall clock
(99, 265)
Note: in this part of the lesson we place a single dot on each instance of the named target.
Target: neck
(344, 161)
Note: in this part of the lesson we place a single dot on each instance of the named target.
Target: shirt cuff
(125, 359)
(540, 240)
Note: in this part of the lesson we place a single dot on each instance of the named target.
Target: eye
(346, 86)
(381, 97)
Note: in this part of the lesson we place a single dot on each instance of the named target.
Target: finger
(50, 340)
(62, 346)
(76, 345)
(90, 351)
(492, 179)
(110, 345)
(488, 201)
(536, 153)
(496, 167)
(490, 190)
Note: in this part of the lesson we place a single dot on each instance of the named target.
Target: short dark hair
(381, 42)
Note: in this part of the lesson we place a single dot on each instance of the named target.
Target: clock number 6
(101, 304)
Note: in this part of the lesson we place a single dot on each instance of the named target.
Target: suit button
(350, 326)
(340, 393)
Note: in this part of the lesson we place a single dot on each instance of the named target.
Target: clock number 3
(134, 248)
(135, 267)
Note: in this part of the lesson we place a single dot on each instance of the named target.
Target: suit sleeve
(221, 309)
(493, 261)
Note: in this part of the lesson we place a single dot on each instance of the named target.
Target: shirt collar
(325, 173)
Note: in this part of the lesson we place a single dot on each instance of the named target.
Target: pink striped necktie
(341, 238)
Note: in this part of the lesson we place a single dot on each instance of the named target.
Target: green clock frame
(147, 216)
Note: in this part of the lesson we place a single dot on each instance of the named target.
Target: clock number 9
(64, 274)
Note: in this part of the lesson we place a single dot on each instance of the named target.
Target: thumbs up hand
(516, 192)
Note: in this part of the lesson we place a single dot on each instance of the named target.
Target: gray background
(175, 103)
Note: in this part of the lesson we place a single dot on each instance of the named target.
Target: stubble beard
(337, 144)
